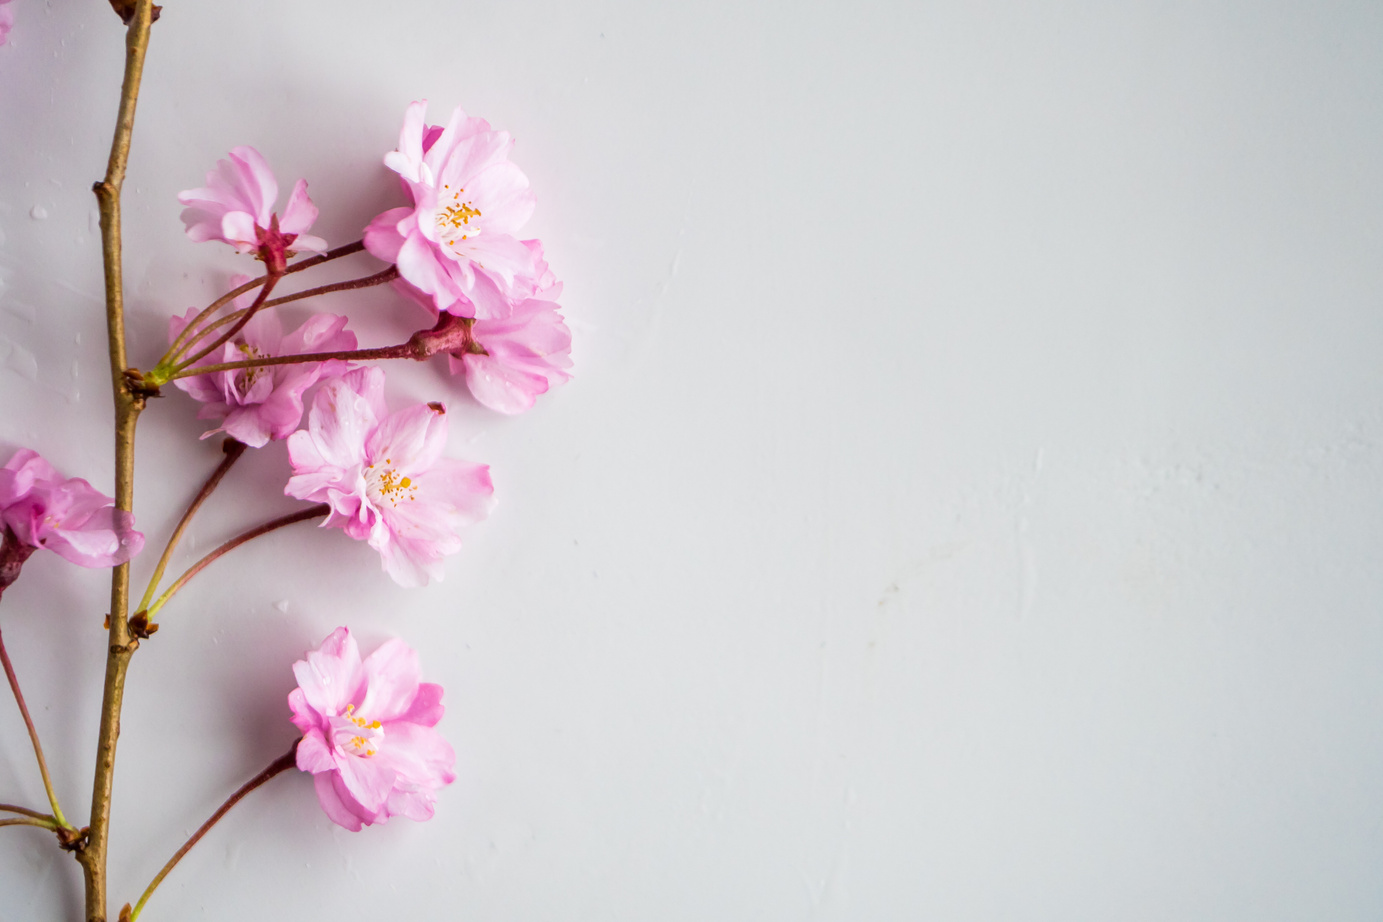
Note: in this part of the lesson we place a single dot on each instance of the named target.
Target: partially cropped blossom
(237, 206)
(507, 362)
(6, 20)
(68, 516)
(368, 732)
(384, 476)
(458, 240)
(256, 405)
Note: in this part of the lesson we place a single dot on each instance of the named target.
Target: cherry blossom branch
(302, 515)
(57, 817)
(233, 449)
(276, 767)
(180, 343)
(129, 401)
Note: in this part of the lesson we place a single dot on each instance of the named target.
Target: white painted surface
(967, 506)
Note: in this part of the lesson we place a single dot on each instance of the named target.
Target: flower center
(356, 735)
(248, 376)
(384, 485)
(455, 221)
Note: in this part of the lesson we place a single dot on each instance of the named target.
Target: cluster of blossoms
(455, 250)
(381, 476)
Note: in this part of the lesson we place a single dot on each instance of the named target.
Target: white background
(967, 506)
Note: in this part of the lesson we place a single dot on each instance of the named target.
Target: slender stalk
(236, 327)
(233, 449)
(278, 766)
(368, 281)
(128, 403)
(25, 811)
(33, 735)
(180, 344)
(302, 515)
(401, 351)
(28, 821)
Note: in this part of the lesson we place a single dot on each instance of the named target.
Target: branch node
(72, 840)
(141, 627)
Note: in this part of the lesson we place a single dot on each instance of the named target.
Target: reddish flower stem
(302, 515)
(401, 351)
(236, 327)
(25, 811)
(233, 449)
(33, 735)
(26, 821)
(278, 766)
(180, 343)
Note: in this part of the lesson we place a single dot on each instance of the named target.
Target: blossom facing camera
(69, 517)
(256, 405)
(384, 477)
(368, 732)
(237, 207)
(457, 241)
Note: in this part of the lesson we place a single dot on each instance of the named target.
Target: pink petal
(332, 796)
(298, 214)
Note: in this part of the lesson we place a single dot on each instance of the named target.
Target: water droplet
(282, 605)
(38, 213)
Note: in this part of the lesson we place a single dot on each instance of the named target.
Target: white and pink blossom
(369, 736)
(458, 240)
(237, 206)
(384, 477)
(256, 405)
(66, 515)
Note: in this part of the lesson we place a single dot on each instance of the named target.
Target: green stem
(278, 766)
(311, 512)
(33, 735)
(233, 449)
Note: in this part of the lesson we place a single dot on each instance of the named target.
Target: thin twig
(233, 448)
(33, 734)
(278, 766)
(302, 515)
(128, 404)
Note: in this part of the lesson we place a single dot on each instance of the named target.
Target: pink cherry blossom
(368, 732)
(41, 508)
(237, 206)
(384, 475)
(6, 20)
(507, 362)
(256, 405)
(457, 241)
